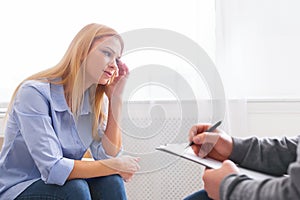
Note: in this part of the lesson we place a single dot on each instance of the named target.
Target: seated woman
(57, 114)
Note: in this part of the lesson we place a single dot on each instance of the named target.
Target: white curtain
(257, 53)
(227, 61)
(258, 46)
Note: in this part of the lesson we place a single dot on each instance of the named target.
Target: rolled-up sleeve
(97, 149)
(32, 114)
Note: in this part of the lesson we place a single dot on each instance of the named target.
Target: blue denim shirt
(42, 138)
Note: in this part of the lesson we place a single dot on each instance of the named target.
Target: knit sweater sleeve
(273, 156)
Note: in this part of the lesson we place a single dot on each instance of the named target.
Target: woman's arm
(125, 166)
(90, 169)
(112, 138)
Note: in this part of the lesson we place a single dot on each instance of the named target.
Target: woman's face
(101, 62)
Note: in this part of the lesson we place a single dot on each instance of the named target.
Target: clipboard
(188, 153)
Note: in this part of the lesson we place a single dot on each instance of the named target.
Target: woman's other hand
(127, 166)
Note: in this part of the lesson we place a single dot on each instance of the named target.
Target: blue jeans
(107, 187)
(200, 195)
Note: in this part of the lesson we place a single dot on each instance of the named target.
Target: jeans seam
(40, 197)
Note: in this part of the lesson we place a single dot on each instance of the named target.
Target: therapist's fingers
(197, 129)
(205, 143)
(213, 178)
(205, 137)
(215, 145)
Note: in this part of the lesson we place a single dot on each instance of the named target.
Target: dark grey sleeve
(267, 155)
(282, 188)
(240, 187)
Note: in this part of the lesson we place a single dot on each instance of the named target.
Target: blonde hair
(67, 70)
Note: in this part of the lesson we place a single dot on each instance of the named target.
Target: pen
(211, 129)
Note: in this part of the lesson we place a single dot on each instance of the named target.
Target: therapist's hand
(212, 178)
(217, 144)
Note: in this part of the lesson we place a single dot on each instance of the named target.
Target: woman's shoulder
(36, 83)
(42, 86)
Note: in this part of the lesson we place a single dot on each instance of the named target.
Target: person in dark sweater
(275, 156)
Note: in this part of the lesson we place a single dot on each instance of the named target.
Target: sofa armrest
(1, 142)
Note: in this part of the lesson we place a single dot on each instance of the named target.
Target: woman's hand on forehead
(123, 69)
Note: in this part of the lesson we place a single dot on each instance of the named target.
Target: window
(35, 34)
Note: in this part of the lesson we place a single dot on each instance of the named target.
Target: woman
(57, 114)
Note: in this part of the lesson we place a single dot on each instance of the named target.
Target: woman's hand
(115, 88)
(213, 177)
(127, 166)
(217, 145)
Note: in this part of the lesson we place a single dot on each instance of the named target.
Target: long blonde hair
(67, 70)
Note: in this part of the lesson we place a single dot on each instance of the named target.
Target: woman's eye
(106, 53)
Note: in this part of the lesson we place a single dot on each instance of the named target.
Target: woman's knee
(107, 187)
(202, 194)
(114, 180)
(107, 181)
(78, 189)
(71, 190)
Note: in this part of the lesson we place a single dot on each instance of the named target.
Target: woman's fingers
(123, 69)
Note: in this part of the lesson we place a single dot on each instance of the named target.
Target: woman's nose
(114, 65)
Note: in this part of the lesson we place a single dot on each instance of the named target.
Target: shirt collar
(59, 100)
(86, 106)
(58, 97)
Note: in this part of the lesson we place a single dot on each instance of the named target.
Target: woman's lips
(109, 74)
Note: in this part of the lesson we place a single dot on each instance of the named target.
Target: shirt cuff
(60, 171)
(103, 155)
